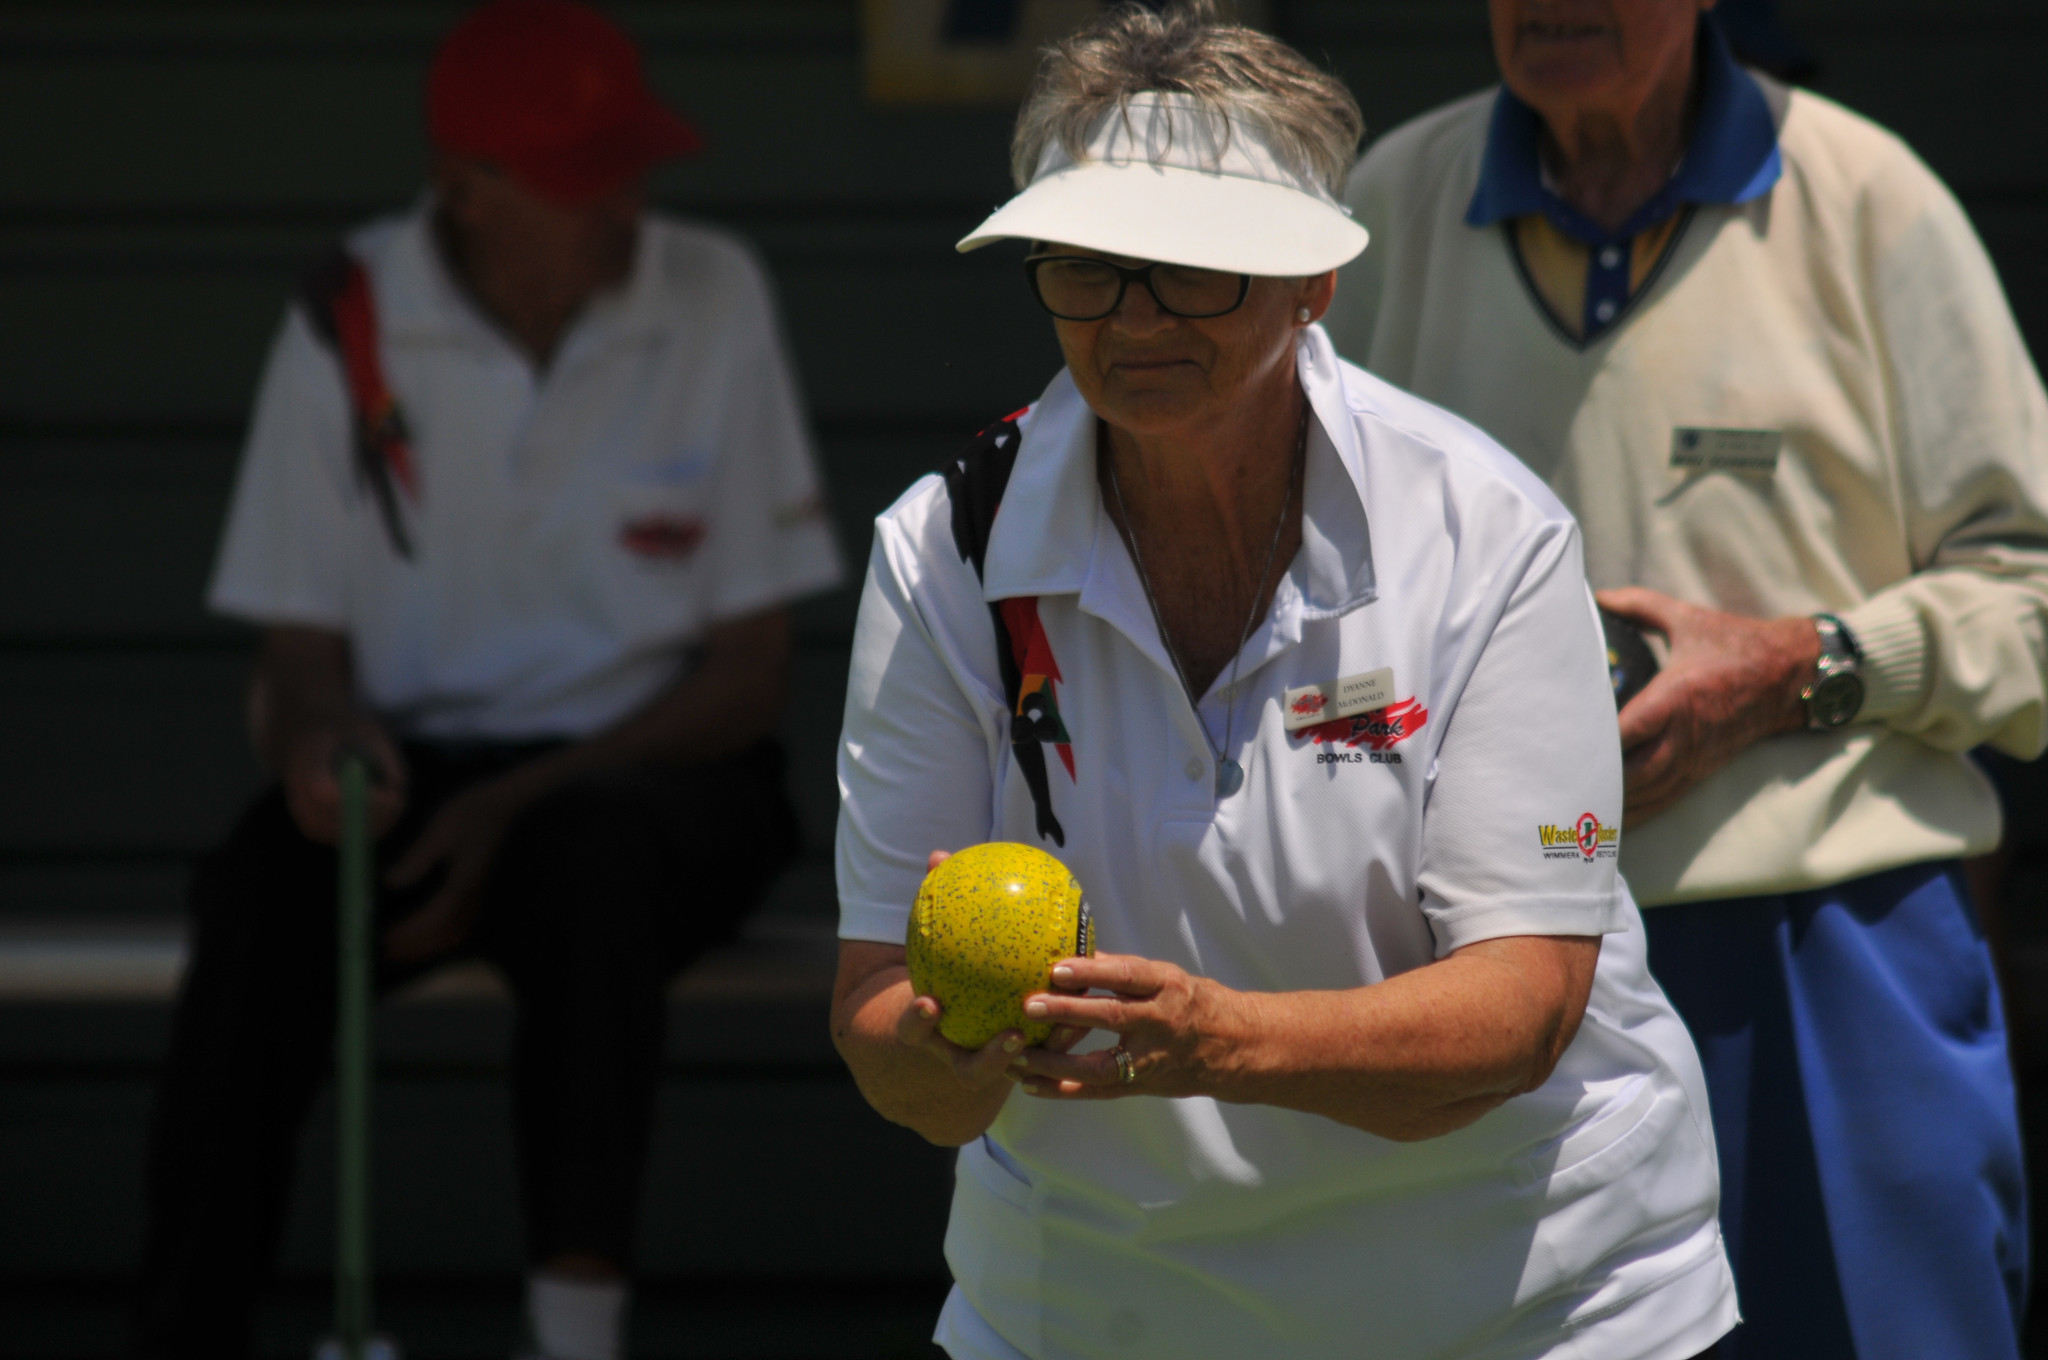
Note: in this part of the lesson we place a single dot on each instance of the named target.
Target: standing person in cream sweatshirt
(1781, 389)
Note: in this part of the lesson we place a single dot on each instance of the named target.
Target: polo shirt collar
(418, 297)
(1733, 156)
(1054, 537)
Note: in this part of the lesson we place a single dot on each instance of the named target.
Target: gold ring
(1126, 1070)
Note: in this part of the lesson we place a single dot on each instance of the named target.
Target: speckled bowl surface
(987, 928)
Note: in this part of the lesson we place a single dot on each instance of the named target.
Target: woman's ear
(1317, 292)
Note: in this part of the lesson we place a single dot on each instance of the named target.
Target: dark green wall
(165, 170)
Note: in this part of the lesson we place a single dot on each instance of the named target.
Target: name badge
(1342, 698)
(1698, 448)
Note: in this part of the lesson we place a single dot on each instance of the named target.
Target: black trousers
(601, 892)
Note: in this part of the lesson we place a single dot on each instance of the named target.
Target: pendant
(1229, 777)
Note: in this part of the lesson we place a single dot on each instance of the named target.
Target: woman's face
(1570, 58)
(1153, 373)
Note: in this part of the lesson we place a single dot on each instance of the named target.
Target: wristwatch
(1835, 693)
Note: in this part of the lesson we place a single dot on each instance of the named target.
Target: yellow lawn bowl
(988, 926)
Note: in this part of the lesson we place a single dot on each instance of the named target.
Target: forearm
(1421, 1054)
(304, 682)
(734, 698)
(303, 714)
(906, 1085)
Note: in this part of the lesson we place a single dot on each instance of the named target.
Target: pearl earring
(1301, 314)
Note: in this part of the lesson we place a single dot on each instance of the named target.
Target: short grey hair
(1312, 120)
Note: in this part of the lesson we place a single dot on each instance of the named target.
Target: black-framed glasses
(1082, 288)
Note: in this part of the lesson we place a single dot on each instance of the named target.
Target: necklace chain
(1258, 595)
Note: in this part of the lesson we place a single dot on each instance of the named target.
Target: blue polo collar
(1733, 157)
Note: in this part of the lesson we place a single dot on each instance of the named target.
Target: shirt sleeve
(1521, 832)
(917, 754)
(774, 541)
(1957, 653)
(284, 553)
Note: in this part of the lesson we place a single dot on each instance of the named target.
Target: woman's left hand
(1179, 1030)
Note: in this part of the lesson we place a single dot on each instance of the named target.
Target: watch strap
(1836, 639)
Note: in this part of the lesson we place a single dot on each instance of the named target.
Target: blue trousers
(1872, 1194)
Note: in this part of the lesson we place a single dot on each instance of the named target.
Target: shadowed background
(165, 172)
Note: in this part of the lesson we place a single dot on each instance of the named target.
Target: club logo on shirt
(1378, 732)
(662, 538)
(1587, 838)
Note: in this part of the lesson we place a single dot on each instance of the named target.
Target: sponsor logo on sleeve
(1362, 738)
(1585, 838)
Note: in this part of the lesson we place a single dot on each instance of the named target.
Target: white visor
(1167, 177)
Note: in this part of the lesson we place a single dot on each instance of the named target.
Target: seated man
(526, 495)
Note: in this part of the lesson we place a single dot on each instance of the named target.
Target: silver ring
(1126, 1070)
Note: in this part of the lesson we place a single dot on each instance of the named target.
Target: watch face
(1836, 699)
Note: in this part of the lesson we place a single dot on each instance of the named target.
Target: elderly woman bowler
(1314, 705)
(1780, 388)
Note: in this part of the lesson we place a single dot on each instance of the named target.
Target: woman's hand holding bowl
(977, 1069)
(1177, 1030)
(974, 1068)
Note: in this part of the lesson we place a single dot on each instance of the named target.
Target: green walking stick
(352, 1339)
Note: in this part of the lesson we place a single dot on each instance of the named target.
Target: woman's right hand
(976, 1069)
(919, 1028)
(908, 1071)
(912, 1074)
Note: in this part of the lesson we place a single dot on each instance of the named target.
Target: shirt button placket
(1195, 767)
(1606, 285)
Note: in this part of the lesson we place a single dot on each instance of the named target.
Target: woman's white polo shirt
(1481, 801)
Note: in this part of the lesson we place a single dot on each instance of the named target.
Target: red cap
(553, 92)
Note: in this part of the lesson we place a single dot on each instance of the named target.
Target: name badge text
(1340, 698)
(1702, 449)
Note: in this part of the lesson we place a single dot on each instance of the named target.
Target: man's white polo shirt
(1480, 801)
(575, 530)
